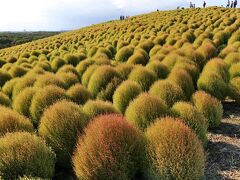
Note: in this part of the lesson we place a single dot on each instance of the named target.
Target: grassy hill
(131, 99)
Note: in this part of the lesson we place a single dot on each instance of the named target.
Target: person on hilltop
(204, 4)
(232, 4)
(235, 4)
(228, 4)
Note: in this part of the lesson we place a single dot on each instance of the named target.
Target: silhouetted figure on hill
(232, 4)
(228, 4)
(194, 6)
(157, 10)
(235, 4)
(191, 5)
(204, 4)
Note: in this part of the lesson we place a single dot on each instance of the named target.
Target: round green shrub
(234, 86)
(83, 65)
(209, 106)
(232, 58)
(44, 98)
(4, 77)
(49, 79)
(100, 78)
(68, 69)
(88, 74)
(183, 80)
(174, 151)
(98, 107)
(160, 69)
(23, 101)
(137, 58)
(17, 71)
(71, 59)
(192, 118)
(25, 154)
(57, 63)
(11, 121)
(110, 149)
(144, 77)
(124, 53)
(213, 84)
(60, 126)
(9, 85)
(68, 78)
(124, 70)
(124, 94)
(79, 94)
(4, 100)
(144, 109)
(234, 70)
(168, 91)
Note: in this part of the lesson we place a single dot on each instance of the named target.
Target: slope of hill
(131, 99)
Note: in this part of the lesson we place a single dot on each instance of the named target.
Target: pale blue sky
(32, 15)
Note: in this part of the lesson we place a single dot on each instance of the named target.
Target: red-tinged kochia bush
(124, 94)
(79, 94)
(192, 118)
(24, 154)
(167, 91)
(144, 109)
(110, 149)
(174, 151)
(209, 106)
(60, 126)
(44, 98)
(11, 121)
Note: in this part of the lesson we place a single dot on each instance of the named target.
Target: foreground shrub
(167, 91)
(68, 78)
(124, 53)
(11, 121)
(234, 87)
(209, 106)
(124, 70)
(110, 149)
(234, 70)
(144, 109)
(98, 107)
(60, 126)
(49, 79)
(79, 94)
(23, 101)
(17, 71)
(4, 77)
(192, 118)
(160, 69)
(100, 78)
(88, 74)
(232, 58)
(83, 65)
(4, 100)
(25, 154)
(71, 59)
(43, 99)
(144, 77)
(8, 86)
(124, 94)
(174, 151)
(57, 63)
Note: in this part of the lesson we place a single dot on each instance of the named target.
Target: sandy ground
(223, 149)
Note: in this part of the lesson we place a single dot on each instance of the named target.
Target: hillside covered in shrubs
(130, 99)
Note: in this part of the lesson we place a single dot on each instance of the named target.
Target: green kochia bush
(49, 79)
(209, 106)
(100, 78)
(160, 69)
(4, 77)
(124, 53)
(110, 149)
(23, 101)
(88, 74)
(234, 87)
(79, 94)
(232, 58)
(11, 121)
(144, 77)
(124, 70)
(234, 70)
(4, 100)
(8, 86)
(60, 126)
(98, 107)
(71, 59)
(167, 91)
(24, 154)
(124, 94)
(43, 99)
(144, 109)
(174, 151)
(192, 118)
(57, 63)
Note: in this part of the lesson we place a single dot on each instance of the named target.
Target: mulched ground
(223, 149)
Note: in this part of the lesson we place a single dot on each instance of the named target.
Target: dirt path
(224, 146)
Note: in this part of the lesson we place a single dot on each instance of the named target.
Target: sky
(58, 15)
